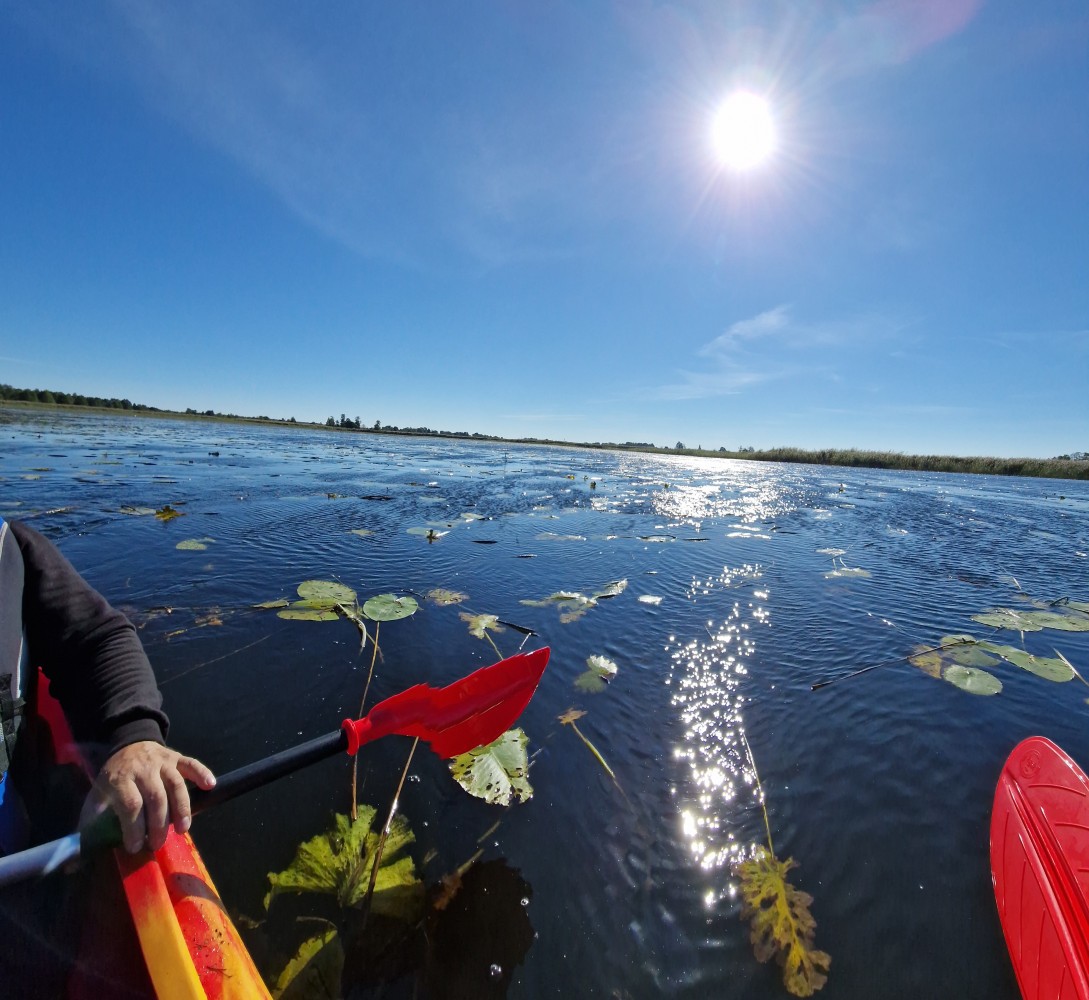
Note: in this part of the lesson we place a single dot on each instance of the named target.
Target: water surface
(879, 786)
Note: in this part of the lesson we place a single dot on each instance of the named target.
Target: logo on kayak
(1030, 764)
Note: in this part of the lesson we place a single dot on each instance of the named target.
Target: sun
(744, 131)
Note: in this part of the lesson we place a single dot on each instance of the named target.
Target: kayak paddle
(471, 712)
(1039, 860)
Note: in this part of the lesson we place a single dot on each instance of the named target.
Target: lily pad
(649, 599)
(497, 772)
(268, 605)
(972, 679)
(389, 608)
(601, 671)
(339, 862)
(168, 513)
(193, 544)
(444, 598)
(429, 533)
(362, 532)
(138, 511)
(612, 589)
(326, 593)
(1050, 668)
(481, 624)
(301, 611)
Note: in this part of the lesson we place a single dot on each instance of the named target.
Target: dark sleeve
(90, 652)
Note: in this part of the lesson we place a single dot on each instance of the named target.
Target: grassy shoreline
(1045, 468)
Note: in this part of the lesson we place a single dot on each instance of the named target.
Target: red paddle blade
(469, 713)
(1040, 869)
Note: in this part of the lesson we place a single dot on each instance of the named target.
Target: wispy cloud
(753, 351)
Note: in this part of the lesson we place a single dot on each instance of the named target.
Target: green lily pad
(601, 671)
(301, 611)
(389, 608)
(480, 624)
(1050, 668)
(496, 772)
(339, 862)
(1079, 605)
(138, 511)
(362, 532)
(268, 605)
(972, 679)
(193, 544)
(168, 513)
(429, 533)
(326, 593)
(444, 598)
(957, 650)
(315, 971)
(612, 589)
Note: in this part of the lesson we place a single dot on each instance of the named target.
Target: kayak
(1040, 869)
(157, 920)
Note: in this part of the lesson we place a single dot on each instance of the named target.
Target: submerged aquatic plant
(781, 925)
(339, 862)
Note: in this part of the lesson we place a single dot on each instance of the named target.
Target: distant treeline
(1072, 466)
(70, 399)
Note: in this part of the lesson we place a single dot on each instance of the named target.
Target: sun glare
(743, 131)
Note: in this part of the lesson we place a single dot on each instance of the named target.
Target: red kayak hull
(1040, 869)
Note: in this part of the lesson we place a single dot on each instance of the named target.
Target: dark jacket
(89, 651)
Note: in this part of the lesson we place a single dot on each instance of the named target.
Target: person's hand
(144, 783)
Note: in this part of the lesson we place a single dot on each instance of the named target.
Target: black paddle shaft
(261, 772)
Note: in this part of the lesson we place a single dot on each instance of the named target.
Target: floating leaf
(601, 671)
(649, 599)
(326, 593)
(1079, 605)
(832, 552)
(300, 611)
(362, 532)
(1033, 621)
(429, 533)
(193, 544)
(496, 772)
(314, 973)
(444, 598)
(138, 511)
(844, 570)
(958, 659)
(657, 538)
(168, 513)
(1049, 668)
(281, 603)
(782, 926)
(479, 625)
(612, 589)
(972, 679)
(571, 603)
(389, 608)
(339, 861)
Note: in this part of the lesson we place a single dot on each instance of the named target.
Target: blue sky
(509, 217)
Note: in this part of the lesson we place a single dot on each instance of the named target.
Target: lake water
(879, 786)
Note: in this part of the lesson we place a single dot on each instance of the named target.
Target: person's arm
(98, 671)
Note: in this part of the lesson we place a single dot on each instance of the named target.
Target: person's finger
(128, 803)
(156, 807)
(178, 796)
(196, 772)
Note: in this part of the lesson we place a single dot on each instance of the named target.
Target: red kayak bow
(1040, 869)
